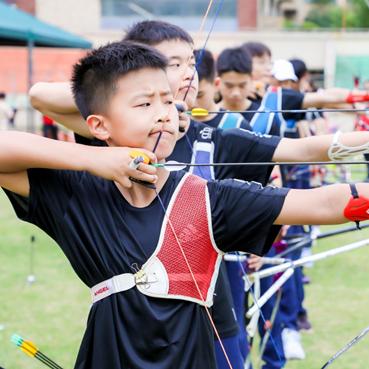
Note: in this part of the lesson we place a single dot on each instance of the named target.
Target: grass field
(53, 311)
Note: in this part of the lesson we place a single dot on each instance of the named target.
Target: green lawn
(52, 312)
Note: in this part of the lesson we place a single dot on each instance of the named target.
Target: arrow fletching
(199, 112)
(171, 166)
(17, 340)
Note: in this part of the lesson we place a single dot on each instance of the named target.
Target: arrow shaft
(292, 111)
(268, 163)
(41, 357)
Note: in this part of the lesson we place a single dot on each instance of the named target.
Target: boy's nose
(189, 72)
(235, 93)
(163, 117)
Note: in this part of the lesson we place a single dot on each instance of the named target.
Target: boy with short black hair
(234, 69)
(205, 66)
(147, 311)
(224, 146)
(101, 246)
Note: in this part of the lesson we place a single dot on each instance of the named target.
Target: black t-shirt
(102, 235)
(232, 146)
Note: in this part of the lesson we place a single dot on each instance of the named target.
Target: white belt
(148, 280)
(151, 280)
(118, 283)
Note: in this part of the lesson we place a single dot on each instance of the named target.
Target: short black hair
(95, 75)
(205, 65)
(257, 49)
(234, 60)
(153, 32)
(299, 67)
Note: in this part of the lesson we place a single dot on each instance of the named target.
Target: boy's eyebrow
(180, 57)
(151, 94)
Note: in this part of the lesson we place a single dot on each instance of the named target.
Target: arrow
(201, 112)
(173, 165)
(31, 350)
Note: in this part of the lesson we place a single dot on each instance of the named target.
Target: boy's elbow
(35, 94)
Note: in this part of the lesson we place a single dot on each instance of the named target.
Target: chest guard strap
(203, 153)
(357, 209)
(230, 120)
(263, 122)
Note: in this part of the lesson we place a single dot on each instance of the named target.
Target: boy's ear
(97, 127)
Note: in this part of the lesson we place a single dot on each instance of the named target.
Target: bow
(220, 4)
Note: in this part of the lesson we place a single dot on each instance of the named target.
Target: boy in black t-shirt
(205, 66)
(107, 227)
(230, 146)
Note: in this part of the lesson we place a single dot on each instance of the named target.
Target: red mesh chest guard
(166, 273)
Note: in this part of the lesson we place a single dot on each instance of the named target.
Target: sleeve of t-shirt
(292, 100)
(88, 141)
(243, 214)
(246, 146)
(47, 202)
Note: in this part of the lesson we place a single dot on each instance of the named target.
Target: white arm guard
(338, 151)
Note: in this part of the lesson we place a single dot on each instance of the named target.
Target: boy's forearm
(20, 151)
(315, 148)
(334, 97)
(324, 205)
(56, 101)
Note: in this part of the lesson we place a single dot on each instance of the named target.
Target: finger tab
(135, 154)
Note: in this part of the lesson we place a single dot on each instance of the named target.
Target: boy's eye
(175, 65)
(144, 105)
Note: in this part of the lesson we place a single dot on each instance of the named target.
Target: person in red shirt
(49, 128)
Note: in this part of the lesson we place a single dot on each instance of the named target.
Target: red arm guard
(357, 98)
(357, 209)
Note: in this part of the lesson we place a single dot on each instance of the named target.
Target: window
(184, 13)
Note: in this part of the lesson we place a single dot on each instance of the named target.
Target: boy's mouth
(157, 131)
(186, 88)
